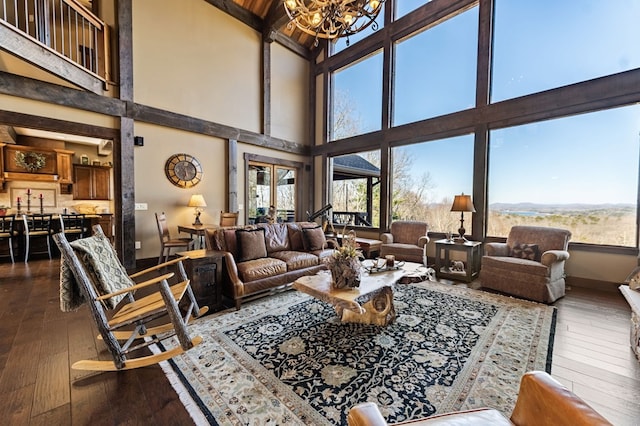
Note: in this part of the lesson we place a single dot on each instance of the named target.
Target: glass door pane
(285, 194)
(259, 196)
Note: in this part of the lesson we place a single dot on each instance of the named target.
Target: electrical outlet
(141, 206)
(138, 245)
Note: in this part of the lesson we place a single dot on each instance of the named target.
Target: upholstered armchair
(406, 240)
(529, 265)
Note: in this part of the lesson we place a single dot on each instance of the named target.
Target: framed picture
(95, 163)
(84, 159)
(105, 148)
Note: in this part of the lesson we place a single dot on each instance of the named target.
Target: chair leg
(49, 246)
(161, 255)
(11, 249)
(26, 250)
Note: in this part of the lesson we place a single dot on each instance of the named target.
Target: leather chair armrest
(386, 238)
(496, 249)
(422, 241)
(333, 244)
(553, 256)
(542, 400)
(367, 414)
(232, 271)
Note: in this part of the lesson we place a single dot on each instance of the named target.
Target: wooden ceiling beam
(276, 17)
(238, 12)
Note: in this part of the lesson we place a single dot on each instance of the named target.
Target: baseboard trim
(592, 284)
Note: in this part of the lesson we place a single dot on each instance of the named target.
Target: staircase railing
(65, 27)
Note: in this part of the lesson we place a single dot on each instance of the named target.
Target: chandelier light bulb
(332, 19)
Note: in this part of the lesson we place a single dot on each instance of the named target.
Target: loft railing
(65, 27)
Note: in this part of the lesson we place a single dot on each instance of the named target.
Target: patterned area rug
(288, 360)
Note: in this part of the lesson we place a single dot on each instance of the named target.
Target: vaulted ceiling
(270, 18)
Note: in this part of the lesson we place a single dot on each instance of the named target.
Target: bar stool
(37, 226)
(7, 232)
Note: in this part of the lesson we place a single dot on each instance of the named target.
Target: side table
(204, 269)
(470, 269)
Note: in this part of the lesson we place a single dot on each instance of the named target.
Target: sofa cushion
(252, 270)
(525, 251)
(251, 244)
(276, 237)
(295, 237)
(313, 238)
(296, 259)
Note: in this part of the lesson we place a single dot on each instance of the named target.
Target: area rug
(288, 360)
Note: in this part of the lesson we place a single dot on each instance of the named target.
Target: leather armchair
(529, 265)
(542, 401)
(406, 240)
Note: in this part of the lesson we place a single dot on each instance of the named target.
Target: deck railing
(64, 26)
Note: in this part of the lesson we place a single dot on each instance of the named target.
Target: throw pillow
(251, 244)
(525, 251)
(313, 238)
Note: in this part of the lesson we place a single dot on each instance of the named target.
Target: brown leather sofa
(262, 258)
(542, 401)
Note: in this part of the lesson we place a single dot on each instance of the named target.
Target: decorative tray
(375, 269)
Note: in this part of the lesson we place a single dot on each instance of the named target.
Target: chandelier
(331, 19)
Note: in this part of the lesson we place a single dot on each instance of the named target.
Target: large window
(426, 177)
(344, 42)
(539, 45)
(578, 173)
(435, 71)
(357, 98)
(356, 189)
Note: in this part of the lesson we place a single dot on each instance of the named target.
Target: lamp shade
(197, 200)
(462, 203)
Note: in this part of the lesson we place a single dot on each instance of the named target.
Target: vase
(345, 273)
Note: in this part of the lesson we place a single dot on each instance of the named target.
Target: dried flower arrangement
(344, 264)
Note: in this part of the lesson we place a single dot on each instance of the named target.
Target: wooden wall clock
(183, 170)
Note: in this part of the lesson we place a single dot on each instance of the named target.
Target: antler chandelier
(331, 19)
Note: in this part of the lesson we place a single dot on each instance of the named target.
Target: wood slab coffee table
(371, 303)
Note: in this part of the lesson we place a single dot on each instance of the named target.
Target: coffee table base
(378, 310)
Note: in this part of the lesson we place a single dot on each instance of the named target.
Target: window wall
(538, 126)
(578, 173)
(357, 98)
(426, 176)
(435, 70)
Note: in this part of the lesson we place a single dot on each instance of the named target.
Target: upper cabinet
(91, 182)
(20, 162)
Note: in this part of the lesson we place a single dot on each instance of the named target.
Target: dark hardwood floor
(38, 343)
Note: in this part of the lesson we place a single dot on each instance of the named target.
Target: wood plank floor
(38, 343)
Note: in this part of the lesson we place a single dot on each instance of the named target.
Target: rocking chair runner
(92, 263)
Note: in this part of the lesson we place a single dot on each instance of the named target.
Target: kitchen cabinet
(64, 169)
(91, 182)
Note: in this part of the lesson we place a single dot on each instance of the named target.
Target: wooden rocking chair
(89, 266)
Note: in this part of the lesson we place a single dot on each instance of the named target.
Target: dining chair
(7, 232)
(37, 226)
(73, 225)
(228, 218)
(166, 242)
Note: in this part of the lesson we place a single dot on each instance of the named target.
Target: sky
(435, 75)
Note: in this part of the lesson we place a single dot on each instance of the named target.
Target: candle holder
(18, 205)
(41, 205)
(28, 203)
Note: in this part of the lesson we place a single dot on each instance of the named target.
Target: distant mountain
(520, 207)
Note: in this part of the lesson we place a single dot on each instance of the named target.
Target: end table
(469, 271)
(204, 269)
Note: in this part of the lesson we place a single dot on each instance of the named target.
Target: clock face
(183, 170)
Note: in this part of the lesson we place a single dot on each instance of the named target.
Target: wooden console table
(633, 298)
(198, 231)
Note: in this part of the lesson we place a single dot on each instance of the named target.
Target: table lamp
(462, 203)
(197, 201)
